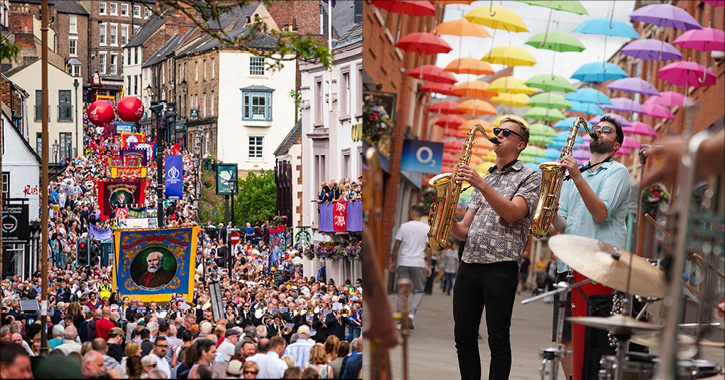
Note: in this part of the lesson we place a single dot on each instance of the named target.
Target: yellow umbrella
(473, 89)
(476, 107)
(510, 85)
(483, 167)
(491, 156)
(497, 121)
(461, 28)
(497, 17)
(469, 66)
(509, 56)
(516, 100)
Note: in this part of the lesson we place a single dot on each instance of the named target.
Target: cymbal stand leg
(622, 344)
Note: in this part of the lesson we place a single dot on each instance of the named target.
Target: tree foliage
(212, 205)
(8, 50)
(256, 200)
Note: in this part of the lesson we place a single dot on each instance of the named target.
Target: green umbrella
(550, 82)
(540, 140)
(542, 130)
(556, 41)
(549, 100)
(563, 5)
(527, 159)
(540, 113)
(533, 151)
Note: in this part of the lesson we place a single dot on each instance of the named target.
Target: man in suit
(155, 275)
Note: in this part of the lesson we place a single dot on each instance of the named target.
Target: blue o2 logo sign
(422, 156)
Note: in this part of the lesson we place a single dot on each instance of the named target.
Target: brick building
(71, 25)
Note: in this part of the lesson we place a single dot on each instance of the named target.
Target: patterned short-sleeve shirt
(491, 238)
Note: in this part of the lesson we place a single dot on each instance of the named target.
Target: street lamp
(75, 85)
(233, 182)
(55, 153)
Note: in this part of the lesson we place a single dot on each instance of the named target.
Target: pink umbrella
(668, 98)
(687, 73)
(715, 3)
(656, 110)
(644, 129)
(707, 39)
(433, 73)
(630, 143)
(623, 152)
(424, 43)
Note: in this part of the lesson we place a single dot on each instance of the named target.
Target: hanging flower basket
(655, 197)
(335, 251)
(377, 124)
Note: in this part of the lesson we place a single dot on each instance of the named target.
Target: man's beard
(153, 268)
(600, 147)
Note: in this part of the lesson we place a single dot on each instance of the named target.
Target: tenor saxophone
(552, 177)
(443, 210)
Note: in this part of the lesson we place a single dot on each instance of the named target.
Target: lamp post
(55, 155)
(157, 109)
(75, 85)
(233, 182)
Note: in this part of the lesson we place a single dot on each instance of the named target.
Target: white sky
(535, 19)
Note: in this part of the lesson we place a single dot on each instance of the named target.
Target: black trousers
(492, 286)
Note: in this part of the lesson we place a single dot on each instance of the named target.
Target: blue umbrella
(552, 154)
(541, 160)
(608, 27)
(589, 108)
(533, 166)
(561, 136)
(565, 124)
(588, 95)
(595, 72)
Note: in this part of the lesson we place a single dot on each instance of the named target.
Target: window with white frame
(102, 34)
(256, 147)
(203, 70)
(6, 185)
(163, 73)
(212, 68)
(137, 11)
(73, 24)
(345, 94)
(65, 108)
(102, 9)
(113, 66)
(76, 70)
(73, 46)
(136, 28)
(318, 100)
(146, 13)
(113, 35)
(257, 105)
(102, 63)
(196, 71)
(135, 55)
(211, 104)
(124, 34)
(256, 66)
(113, 9)
(124, 10)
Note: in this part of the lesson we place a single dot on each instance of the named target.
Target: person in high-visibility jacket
(105, 289)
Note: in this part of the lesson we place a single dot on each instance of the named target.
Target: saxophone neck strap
(588, 166)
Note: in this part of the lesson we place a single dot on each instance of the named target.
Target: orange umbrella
(473, 89)
(482, 142)
(469, 66)
(476, 107)
(461, 28)
(468, 124)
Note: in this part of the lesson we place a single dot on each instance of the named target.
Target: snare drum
(696, 369)
(637, 366)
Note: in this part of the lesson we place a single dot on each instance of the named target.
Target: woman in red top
(92, 303)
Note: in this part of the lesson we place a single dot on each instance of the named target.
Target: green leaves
(257, 198)
(8, 51)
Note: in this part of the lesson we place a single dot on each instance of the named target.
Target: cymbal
(617, 324)
(653, 340)
(593, 259)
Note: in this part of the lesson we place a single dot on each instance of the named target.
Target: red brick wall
(304, 15)
(63, 28)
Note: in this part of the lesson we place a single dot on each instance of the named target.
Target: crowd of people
(344, 190)
(276, 323)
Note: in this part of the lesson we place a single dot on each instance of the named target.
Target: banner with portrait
(129, 138)
(133, 157)
(128, 172)
(113, 194)
(276, 237)
(149, 147)
(155, 264)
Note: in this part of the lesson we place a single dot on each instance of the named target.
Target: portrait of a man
(158, 270)
(120, 198)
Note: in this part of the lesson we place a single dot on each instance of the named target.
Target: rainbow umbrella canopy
(461, 28)
(424, 43)
(687, 74)
(514, 100)
(633, 85)
(588, 108)
(606, 26)
(588, 95)
(651, 49)
(706, 39)
(542, 130)
(665, 15)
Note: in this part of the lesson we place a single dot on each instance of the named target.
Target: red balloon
(130, 109)
(100, 112)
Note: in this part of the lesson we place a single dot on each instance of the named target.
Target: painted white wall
(23, 167)
(29, 79)
(133, 69)
(233, 132)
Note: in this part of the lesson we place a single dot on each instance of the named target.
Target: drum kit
(633, 275)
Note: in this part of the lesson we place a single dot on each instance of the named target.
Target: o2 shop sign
(422, 156)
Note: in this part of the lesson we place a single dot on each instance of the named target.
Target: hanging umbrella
(510, 85)
(408, 7)
(706, 39)
(572, 6)
(432, 73)
(606, 26)
(623, 152)
(565, 134)
(624, 105)
(468, 124)
(589, 108)
(596, 72)
(476, 107)
(445, 107)
(497, 121)
(686, 73)
(469, 66)
(515, 100)
(656, 110)
(542, 130)
(533, 151)
(581, 154)
(473, 89)
(588, 95)
(633, 85)
(483, 143)
(715, 3)
(497, 17)
(640, 128)
(552, 154)
(565, 124)
(651, 49)
(539, 140)
(622, 120)
(544, 114)
(668, 98)
(550, 82)
(423, 43)
(439, 88)
(549, 100)
(461, 28)
(452, 121)
(455, 133)
(509, 56)
(556, 41)
(630, 143)
(666, 15)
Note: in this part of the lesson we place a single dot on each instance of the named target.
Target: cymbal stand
(552, 356)
(404, 287)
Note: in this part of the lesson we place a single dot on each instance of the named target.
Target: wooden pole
(44, 180)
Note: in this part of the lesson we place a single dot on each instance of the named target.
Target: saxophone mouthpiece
(494, 140)
(594, 136)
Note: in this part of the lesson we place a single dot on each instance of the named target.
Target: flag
(327, 2)
(174, 176)
(339, 216)
(176, 149)
(99, 233)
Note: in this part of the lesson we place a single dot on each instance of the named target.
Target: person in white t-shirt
(415, 257)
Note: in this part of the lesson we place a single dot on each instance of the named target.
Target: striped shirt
(300, 350)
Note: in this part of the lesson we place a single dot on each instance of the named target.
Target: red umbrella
(439, 88)
(408, 7)
(656, 110)
(445, 107)
(433, 73)
(687, 74)
(424, 43)
(452, 121)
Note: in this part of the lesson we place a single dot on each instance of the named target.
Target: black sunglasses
(506, 132)
(605, 129)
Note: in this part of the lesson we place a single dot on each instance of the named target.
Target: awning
(74, 62)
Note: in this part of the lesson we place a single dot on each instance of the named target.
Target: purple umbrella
(581, 154)
(687, 74)
(707, 39)
(624, 122)
(651, 49)
(668, 98)
(633, 85)
(665, 15)
(656, 110)
(624, 105)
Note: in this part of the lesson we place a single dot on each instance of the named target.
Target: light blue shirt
(610, 181)
(300, 350)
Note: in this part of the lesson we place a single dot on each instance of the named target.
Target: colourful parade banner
(112, 194)
(155, 264)
(99, 233)
(276, 237)
(341, 216)
(149, 147)
(339, 219)
(129, 138)
(174, 178)
(115, 161)
(128, 171)
(133, 157)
